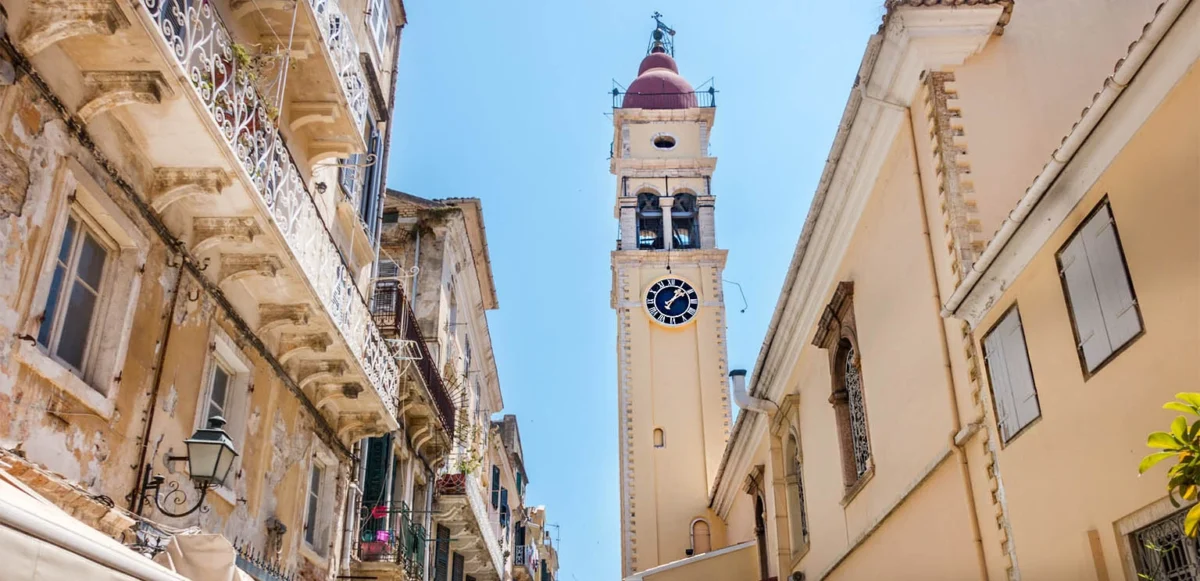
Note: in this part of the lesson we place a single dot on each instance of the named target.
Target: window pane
(68, 238)
(51, 306)
(220, 384)
(76, 325)
(91, 262)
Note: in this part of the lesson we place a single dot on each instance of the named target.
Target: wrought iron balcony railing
(394, 317)
(389, 535)
(204, 51)
(259, 565)
(703, 99)
(527, 556)
(344, 53)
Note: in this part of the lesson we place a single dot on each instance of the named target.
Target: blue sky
(506, 101)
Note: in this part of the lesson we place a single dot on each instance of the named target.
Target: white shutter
(997, 366)
(1117, 304)
(1085, 303)
(1020, 373)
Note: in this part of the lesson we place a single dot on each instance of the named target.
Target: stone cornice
(659, 168)
(664, 115)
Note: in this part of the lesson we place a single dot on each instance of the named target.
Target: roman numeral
(654, 312)
(691, 311)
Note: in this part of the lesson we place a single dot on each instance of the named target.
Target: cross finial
(662, 39)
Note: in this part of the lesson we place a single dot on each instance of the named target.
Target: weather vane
(663, 37)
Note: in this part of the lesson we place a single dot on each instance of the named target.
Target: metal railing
(527, 556)
(389, 535)
(259, 565)
(703, 99)
(343, 52)
(204, 50)
(394, 317)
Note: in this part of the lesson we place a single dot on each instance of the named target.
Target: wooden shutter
(441, 554)
(1117, 303)
(504, 507)
(1085, 303)
(458, 570)
(495, 486)
(1011, 375)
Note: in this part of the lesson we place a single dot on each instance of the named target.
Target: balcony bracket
(361, 425)
(312, 112)
(292, 344)
(207, 233)
(240, 266)
(323, 150)
(53, 21)
(303, 46)
(108, 90)
(244, 8)
(310, 371)
(172, 184)
(272, 316)
(330, 393)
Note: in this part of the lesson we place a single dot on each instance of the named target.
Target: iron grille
(859, 439)
(702, 99)
(395, 318)
(1164, 553)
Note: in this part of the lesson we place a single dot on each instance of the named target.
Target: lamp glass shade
(210, 454)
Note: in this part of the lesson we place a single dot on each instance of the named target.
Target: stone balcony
(461, 505)
(167, 83)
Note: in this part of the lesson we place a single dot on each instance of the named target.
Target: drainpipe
(159, 358)
(742, 398)
(959, 435)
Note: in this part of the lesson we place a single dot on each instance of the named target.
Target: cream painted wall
(905, 390)
(1075, 468)
(1022, 94)
(686, 134)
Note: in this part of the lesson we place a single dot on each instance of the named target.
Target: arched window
(701, 537)
(797, 509)
(855, 428)
(684, 224)
(658, 438)
(649, 222)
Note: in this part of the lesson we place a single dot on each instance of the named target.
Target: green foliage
(1182, 442)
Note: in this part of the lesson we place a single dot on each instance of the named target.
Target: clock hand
(678, 293)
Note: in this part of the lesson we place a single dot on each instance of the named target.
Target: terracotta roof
(892, 5)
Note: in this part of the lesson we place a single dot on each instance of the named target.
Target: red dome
(659, 86)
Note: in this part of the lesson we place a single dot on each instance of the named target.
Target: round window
(664, 141)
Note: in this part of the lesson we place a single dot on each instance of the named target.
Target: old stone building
(990, 299)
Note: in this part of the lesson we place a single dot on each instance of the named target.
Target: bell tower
(674, 411)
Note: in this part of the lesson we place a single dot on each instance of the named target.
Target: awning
(203, 558)
(41, 542)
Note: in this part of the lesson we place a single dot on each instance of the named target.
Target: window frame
(794, 476)
(378, 27)
(312, 504)
(76, 191)
(987, 365)
(1078, 231)
(85, 226)
(223, 352)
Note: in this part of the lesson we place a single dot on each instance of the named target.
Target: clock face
(672, 302)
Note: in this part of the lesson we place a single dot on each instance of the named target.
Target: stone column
(665, 203)
(629, 226)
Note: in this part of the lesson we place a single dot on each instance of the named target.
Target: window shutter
(441, 554)
(458, 569)
(1085, 303)
(1020, 372)
(1117, 304)
(997, 366)
(495, 486)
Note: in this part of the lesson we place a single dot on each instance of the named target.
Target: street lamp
(210, 456)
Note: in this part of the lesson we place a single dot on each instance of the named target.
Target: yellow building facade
(674, 410)
(993, 294)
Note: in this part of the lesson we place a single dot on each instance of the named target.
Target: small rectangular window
(314, 501)
(75, 291)
(218, 393)
(1162, 550)
(1011, 375)
(1100, 297)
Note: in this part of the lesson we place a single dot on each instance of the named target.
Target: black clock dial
(672, 301)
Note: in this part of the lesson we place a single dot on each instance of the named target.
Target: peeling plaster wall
(53, 427)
